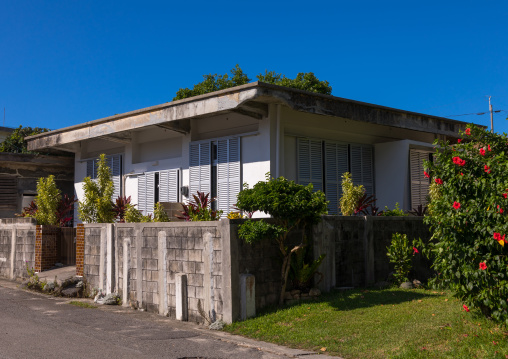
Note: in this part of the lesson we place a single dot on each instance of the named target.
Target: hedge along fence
(355, 248)
(144, 261)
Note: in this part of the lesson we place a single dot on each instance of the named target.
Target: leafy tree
(303, 81)
(292, 206)
(47, 201)
(97, 206)
(15, 142)
(468, 217)
(213, 83)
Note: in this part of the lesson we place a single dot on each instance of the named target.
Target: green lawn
(390, 323)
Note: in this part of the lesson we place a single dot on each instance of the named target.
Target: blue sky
(68, 62)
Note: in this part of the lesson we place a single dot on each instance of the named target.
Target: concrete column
(247, 296)
(139, 266)
(182, 311)
(13, 251)
(102, 258)
(368, 240)
(126, 266)
(230, 273)
(209, 305)
(110, 237)
(162, 268)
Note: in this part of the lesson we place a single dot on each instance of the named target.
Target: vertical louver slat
(235, 172)
(173, 185)
(89, 168)
(419, 183)
(194, 171)
(310, 163)
(116, 174)
(205, 167)
(362, 167)
(336, 163)
(142, 193)
(8, 193)
(222, 175)
(164, 186)
(150, 190)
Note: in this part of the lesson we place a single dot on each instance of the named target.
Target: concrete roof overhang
(251, 99)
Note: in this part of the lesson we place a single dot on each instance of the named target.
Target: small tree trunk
(286, 264)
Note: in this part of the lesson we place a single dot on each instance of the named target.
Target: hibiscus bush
(467, 213)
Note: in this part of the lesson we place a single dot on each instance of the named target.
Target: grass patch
(82, 304)
(390, 323)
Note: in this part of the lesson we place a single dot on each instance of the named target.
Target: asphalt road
(33, 325)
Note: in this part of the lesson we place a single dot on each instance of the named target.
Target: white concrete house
(218, 141)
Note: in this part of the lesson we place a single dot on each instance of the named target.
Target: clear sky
(68, 62)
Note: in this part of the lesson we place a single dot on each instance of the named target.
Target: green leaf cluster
(400, 253)
(97, 206)
(467, 210)
(133, 215)
(393, 212)
(47, 201)
(306, 81)
(351, 195)
(15, 142)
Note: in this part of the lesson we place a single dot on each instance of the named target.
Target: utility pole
(491, 117)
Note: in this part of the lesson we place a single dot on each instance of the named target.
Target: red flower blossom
(415, 250)
(488, 147)
(438, 181)
(505, 195)
(500, 209)
(483, 266)
(426, 174)
(465, 308)
(458, 161)
(482, 151)
(468, 131)
(462, 174)
(459, 140)
(486, 169)
(456, 205)
(500, 238)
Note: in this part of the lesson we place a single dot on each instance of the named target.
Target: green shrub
(351, 195)
(393, 212)
(468, 218)
(400, 253)
(47, 201)
(159, 214)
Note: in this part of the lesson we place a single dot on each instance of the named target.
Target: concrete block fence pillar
(247, 296)
(182, 310)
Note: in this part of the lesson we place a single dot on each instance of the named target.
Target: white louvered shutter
(168, 185)
(310, 163)
(419, 183)
(228, 173)
(336, 163)
(115, 164)
(199, 168)
(362, 170)
(90, 165)
(146, 190)
(142, 193)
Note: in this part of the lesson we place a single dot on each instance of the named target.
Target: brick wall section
(80, 249)
(47, 245)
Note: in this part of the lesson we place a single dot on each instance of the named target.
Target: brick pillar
(38, 249)
(80, 249)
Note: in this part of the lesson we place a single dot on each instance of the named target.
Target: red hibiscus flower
(462, 174)
(500, 238)
(488, 147)
(482, 152)
(486, 168)
(500, 209)
(438, 181)
(468, 131)
(456, 205)
(415, 250)
(465, 306)
(483, 266)
(458, 161)
(505, 195)
(426, 174)
(459, 140)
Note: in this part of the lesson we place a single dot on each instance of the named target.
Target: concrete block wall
(17, 247)
(92, 250)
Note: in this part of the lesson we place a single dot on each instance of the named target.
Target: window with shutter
(336, 163)
(361, 164)
(8, 193)
(200, 167)
(168, 185)
(310, 163)
(419, 183)
(228, 173)
(146, 191)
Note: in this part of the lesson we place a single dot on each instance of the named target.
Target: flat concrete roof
(252, 99)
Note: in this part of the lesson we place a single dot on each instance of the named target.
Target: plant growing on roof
(97, 206)
(292, 206)
(467, 214)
